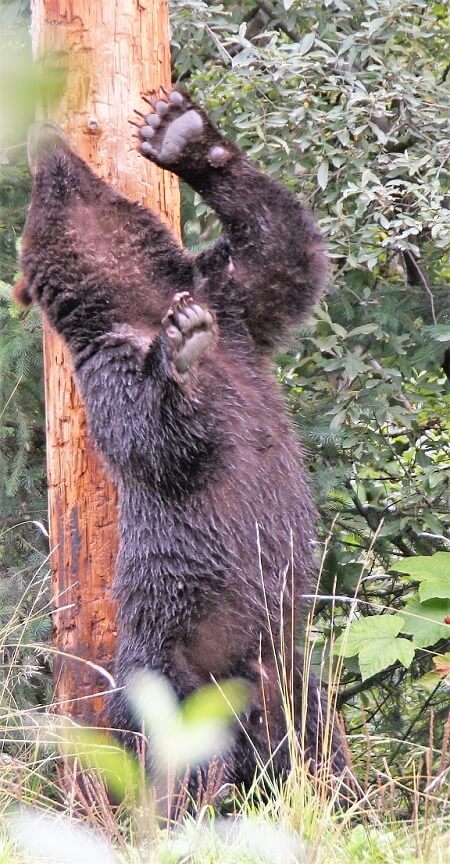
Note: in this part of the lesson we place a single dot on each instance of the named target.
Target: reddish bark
(113, 52)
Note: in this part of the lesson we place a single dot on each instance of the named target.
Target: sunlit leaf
(381, 653)
(322, 174)
(425, 566)
(189, 734)
(98, 752)
(433, 572)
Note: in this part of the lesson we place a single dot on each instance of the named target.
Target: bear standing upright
(172, 355)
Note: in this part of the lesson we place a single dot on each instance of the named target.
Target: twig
(270, 10)
(414, 720)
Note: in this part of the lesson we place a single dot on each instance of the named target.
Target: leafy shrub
(347, 104)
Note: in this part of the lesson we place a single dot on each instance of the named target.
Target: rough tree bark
(112, 52)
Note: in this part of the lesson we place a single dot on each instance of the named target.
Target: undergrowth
(58, 783)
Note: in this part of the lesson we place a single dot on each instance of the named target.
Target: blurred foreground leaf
(192, 734)
(51, 838)
(24, 85)
(98, 752)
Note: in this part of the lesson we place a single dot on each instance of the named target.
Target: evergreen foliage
(23, 500)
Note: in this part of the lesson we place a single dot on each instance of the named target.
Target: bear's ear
(21, 292)
(44, 139)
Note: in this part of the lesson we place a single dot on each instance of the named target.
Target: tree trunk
(112, 53)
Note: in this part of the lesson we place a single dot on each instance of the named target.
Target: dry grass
(298, 821)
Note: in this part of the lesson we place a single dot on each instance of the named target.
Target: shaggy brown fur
(216, 521)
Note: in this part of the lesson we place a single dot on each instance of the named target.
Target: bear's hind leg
(285, 723)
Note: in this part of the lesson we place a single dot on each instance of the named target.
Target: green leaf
(362, 633)
(379, 654)
(434, 523)
(220, 701)
(338, 420)
(439, 332)
(424, 566)
(306, 43)
(346, 44)
(99, 753)
(353, 366)
(375, 642)
(322, 174)
(375, 24)
(433, 572)
(338, 329)
(405, 651)
(425, 621)
(190, 733)
(435, 586)
(364, 329)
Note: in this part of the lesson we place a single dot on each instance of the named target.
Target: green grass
(299, 821)
(288, 829)
(392, 819)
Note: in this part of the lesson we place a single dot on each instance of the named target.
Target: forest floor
(393, 821)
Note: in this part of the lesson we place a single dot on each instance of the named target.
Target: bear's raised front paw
(174, 127)
(190, 329)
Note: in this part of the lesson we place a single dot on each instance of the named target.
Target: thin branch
(416, 275)
(444, 74)
(267, 7)
(371, 517)
(379, 679)
(421, 711)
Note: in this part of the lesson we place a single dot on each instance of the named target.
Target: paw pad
(190, 329)
(176, 126)
(218, 155)
(173, 125)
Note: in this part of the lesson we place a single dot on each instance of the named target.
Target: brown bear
(172, 355)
